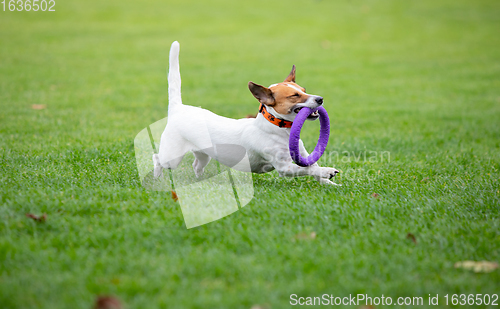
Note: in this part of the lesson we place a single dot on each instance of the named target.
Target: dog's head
(286, 98)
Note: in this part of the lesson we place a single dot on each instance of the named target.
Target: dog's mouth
(313, 116)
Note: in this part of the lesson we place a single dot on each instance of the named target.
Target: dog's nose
(319, 100)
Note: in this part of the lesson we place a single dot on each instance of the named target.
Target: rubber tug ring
(324, 134)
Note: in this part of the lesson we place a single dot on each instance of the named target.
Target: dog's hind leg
(158, 169)
(172, 149)
(171, 164)
(201, 160)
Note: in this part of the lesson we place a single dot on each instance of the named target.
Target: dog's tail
(174, 78)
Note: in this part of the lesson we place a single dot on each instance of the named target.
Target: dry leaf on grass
(304, 235)
(478, 267)
(41, 218)
(376, 195)
(411, 237)
(174, 196)
(38, 106)
(107, 302)
(260, 307)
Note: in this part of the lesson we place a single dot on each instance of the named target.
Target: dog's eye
(295, 95)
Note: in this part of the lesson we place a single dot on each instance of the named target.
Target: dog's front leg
(289, 169)
(304, 153)
(286, 168)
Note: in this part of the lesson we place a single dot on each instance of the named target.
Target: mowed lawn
(413, 93)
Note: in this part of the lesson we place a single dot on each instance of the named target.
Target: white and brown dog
(265, 138)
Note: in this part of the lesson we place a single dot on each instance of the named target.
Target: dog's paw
(198, 172)
(158, 169)
(328, 172)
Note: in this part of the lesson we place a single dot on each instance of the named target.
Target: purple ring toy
(324, 134)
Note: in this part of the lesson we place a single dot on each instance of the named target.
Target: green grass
(419, 80)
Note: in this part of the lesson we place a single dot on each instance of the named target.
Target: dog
(264, 139)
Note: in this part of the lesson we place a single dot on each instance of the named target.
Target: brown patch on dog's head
(287, 95)
(286, 98)
(283, 96)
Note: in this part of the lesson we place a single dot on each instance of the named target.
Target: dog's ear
(261, 93)
(291, 76)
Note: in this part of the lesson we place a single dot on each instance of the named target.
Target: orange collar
(282, 123)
